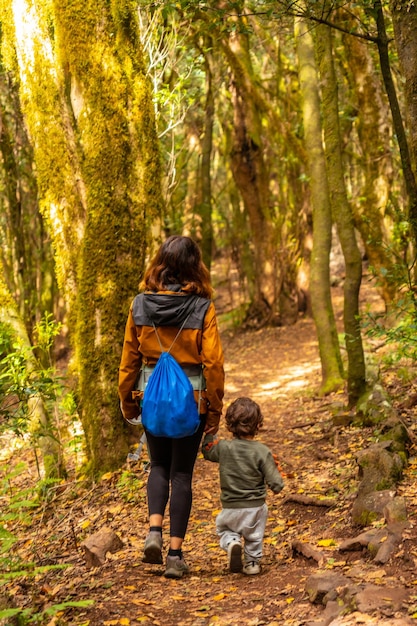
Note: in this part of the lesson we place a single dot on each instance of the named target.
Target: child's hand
(208, 442)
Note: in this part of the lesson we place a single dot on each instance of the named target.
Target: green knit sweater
(247, 467)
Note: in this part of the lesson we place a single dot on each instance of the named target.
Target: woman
(176, 289)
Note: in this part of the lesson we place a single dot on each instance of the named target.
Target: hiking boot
(176, 567)
(251, 567)
(234, 556)
(152, 552)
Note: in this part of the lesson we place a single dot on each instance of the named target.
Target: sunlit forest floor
(280, 369)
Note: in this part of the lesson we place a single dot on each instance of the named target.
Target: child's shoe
(251, 567)
(234, 556)
(176, 567)
(153, 548)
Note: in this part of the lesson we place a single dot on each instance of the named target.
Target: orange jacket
(198, 343)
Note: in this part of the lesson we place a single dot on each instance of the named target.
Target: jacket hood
(169, 308)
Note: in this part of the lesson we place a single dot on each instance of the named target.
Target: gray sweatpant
(249, 523)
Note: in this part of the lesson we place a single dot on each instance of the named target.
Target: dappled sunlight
(293, 380)
(279, 372)
(30, 38)
(9, 444)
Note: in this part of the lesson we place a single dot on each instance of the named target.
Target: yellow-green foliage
(6, 301)
(8, 36)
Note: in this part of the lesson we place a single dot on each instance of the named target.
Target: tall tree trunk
(90, 116)
(206, 150)
(321, 301)
(118, 153)
(374, 169)
(251, 177)
(404, 15)
(342, 215)
(198, 203)
(41, 96)
(26, 254)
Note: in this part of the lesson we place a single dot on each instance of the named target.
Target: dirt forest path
(280, 369)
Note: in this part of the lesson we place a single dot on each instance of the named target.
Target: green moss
(367, 517)
(331, 384)
(8, 37)
(404, 457)
(398, 434)
(384, 484)
(123, 194)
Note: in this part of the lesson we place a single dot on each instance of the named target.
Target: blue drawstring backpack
(168, 406)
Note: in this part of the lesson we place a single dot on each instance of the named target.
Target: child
(246, 468)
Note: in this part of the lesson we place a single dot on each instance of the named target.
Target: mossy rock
(369, 507)
(374, 407)
(379, 468)
(397, 433)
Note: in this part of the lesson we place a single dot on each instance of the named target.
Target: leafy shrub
(19, 503)
(401, 335)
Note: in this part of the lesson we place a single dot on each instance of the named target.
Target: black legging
(172, 461)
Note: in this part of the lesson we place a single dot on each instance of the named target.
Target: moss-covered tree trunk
(250, 173)
(206, 153)
(373, 171)
(28, 51)
(100, 52)
(26, 254)
(404, 15)
(342, 215)
(90, 117)
(321, 301)
(197, 216)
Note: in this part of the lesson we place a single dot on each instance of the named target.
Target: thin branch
(309, 501)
